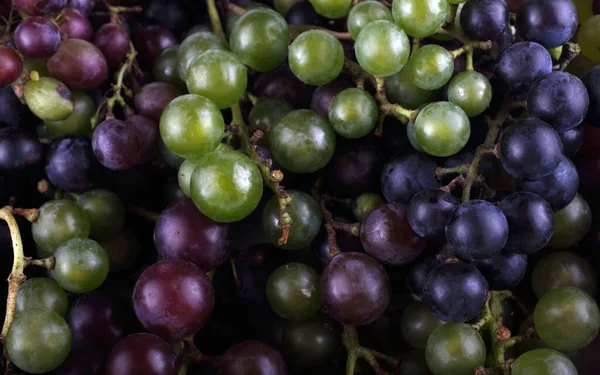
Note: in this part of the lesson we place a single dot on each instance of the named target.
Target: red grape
(141, 354)
(37, 38)
(116, 145)
(147, 135)
(39, 7)
(113, 41)
(251, 357)
(79, 64)
(149, 41)
(84, 6)
(11, 64)
(75, 25)
(153, 98)
(87, 361)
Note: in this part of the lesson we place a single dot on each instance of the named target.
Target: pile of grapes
(324, 187)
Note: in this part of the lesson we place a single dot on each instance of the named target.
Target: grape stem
(296, 30)
(215, 21)
(142, 212)
(569, 54)
(334, 249)
(355, 352)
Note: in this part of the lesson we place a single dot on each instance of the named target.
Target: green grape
(48, 98)
(233, 18)
(193, 46)
(283, 6)
(78, 122)
(584, 9)
(418, 323)
(293, 291)
(105, 211)
(38, 341)
(306, 221)
(81, 265)
(226, 185)
(571, 223)
(184, 176)
(191, 126)
(364, 13)
(382, 48)
(442, 129)
(457, 25)
(543, 362)
(353, 113)
(566, 318)
(218, 76)
(580, 65)
(302, 141)
(332, 9)
(400, 89)
(455, 349)
(265, 114)
(59, 221)
(563, 268)
(164, 67)
(588, 40)
(471, 91)
(260, 39)
(40, 66)
(431, 67)
(412, 136)
(456, 1)
(311, 343)
(316, 57)
(42, 293)
(420, 18)
(171, 159)
(365, 204)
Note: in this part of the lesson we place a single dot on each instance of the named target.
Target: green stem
(386, 107)
(142, 212)
(497, 331)
(469, 64)
(296, 30)
(355, 352)
(215, 21)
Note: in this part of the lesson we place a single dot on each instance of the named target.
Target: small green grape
(400, 89)
(266, 113)
(543, 362)
(49, 99)
(365, 204)
(332, 9)
(471, 91)
(42, 293)
(412, 136)
(293, 291)
(105, 211)
(77, 123)
(81, 265)
(563, 268)
(382, 48)
(191, 126)
(193, 46)
(353, 113)
(59, 221)
(588, 40)
(283, 6)
(165, 69)
(455, 348)
(431, 67)
(417, 324)
(184, 176)
(571, 224)
(316, 57)
(442, 129)
(584, 9)
(420, 18)
(364, 13)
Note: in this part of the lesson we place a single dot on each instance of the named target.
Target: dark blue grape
(572, 140)
(484, 19)
(477, 230)
(530, 149)
(71, 164)
(503, 271)
(405, 176)
(18, 150)
(530, 222)
(560, 99)
(591, 80)
(116, 145)
(417, 275)
(522, 64)
(548, 22)
(12, 112)
(455, 292)
(559, 188)
(429, 211)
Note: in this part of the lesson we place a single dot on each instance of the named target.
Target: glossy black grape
(522, 64)
(418, 273)
(503, 271)
(18, 150)
(429, 212)
(71, 164)
(572, 140)
(591, 81)
(548, 22)
(405, 176)
(484, 19)
(477, 230)
(12, 112)
(455, 292)
(323, 96)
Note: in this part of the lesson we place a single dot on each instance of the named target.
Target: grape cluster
(300, 186)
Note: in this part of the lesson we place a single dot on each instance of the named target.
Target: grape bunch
(300, 187)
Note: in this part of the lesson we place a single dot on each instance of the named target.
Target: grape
(89, 361)
(105, 211)
(84, 6)
(316, 57)
(332, 9)
(282, 84)
(503, 271)
(571, 223)
(455, 349)
(164, 68)
(42, 293)
(283, 6)
(429, 212)
(382, 48)
(592, 82)
(12, 66)
(183, 232)
(122, 250)
(572, 140)
(310, 343)
(171, 159)
(18, 150)
(75, 25)
(59, 221)
(353, 113)
(563, 268)
(193, 46)
(365, 204)
(442, 129)
(417, 324)
(303, 13)
(484, 19)
(79, 64)
(405, 176)
(511, 67)
(191, 126)
(112, 39)
(71, 164)
(151, 40)
(364, 13)
(401, 89)
(548, 22)
(260, 39)
(431, 67)
(530, 221)
(81, 265)
(566, 318)
(267, 112)
(39, 7)
(38, 341)
(131, 356)
(455, 292)
(471, 91)
(116, 145)
(387, 236)
(147, 135)
(420, 18)
(184, 176)
(77, 123)
(530, 149)
(48, 99)
(417, 274)
(251, 357)
(596, 7)
(543, 361)
(355, 289)
(153, 98)
(226, 186)
(293, 291)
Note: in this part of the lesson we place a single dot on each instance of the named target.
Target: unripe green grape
(171, 159)
(364, 13)
(260, 39)
(48, 98)
(382, 48)
(588, 40)
(219, 76)
(78, 122)
(420, 18)
(564, 268)
(365, 204)
(81, 265)
(266, 113)
(193, 46)
(105, 211)
(400, 89)
(165, 69)
(316, 57)
(442, 129)
(353, 113)
(59, 221)
(293, 291)
(417, 324)
(233, 18)
(584, 9)
(412, 136)
(543, 362)
(332, 9)
(471, 91)
(431, 67)
(191, 126)
(283, 6)
(184, 176)
(455, 348)
(42, 293)
(571, 223)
